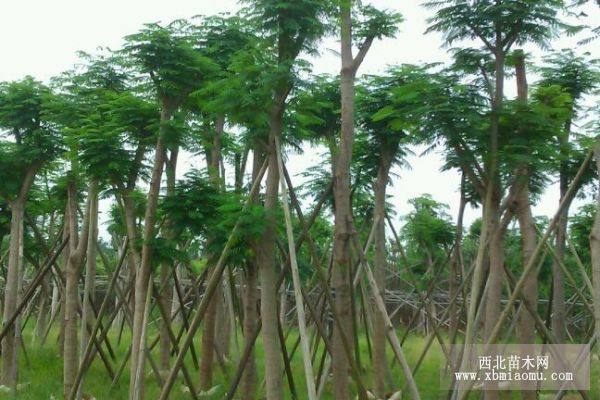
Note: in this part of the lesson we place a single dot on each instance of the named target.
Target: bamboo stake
(304, 339)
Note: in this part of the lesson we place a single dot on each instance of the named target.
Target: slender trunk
(208, 330)
(595, 252)
(65, 260)
(89, 292)
(341, 279)
(133, 254)
(9, 345)
(490, 225)
(559, 312)
(457, 272)
(43, 309)
(527, 227)
(248, 384)
(207, 344)
(78, 247)
(136, 388)
(268, 271)
(166, 292)
(379, 334)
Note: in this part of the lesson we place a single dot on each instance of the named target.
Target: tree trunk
(9, 344)
(9, 374)
(527, 227)
(144, 270)
(43, 309)
(268, 271)
(341, 279)
(207, 345)
(208, 330)
(166, 292)
(89, 292)
(457, 273)
(595, 252)
(248, 384)
(78, 247)
(380, 262)
(559, 312)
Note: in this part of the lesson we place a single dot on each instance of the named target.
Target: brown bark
(595, 251)
(457, 274)
(207, 349)
(8, 376)
(89, 292)
(379, 334)
(166, 292)
(248, 384)
(527, 227)
(9, 344)
(78, 247)
(559, 312)
(43, 309)
(144, 272)
(341, 274)
(268, 271)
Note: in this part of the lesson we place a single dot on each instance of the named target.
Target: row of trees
(236, 90)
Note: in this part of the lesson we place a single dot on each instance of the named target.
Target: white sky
(40, 38)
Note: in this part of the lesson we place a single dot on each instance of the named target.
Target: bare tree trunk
(9, 344)
(43, 310)
(341, 279)
(89, 292)
(380, 262)
(527, 227)
(559, 312)
(457, 273)
(143, 273)
(207, 349)
(268, 271)
(595, 251)
(65, 261)
(248, 384)
(9, 374)
(491, 227)
(166, 292)
(207, 346)
(78, 247)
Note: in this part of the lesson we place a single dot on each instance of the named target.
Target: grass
(41, 373)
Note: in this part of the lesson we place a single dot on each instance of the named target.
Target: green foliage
(580, 227)
(29, 138)
(116, 215)
(428, 231)
(528, 132)
(316, 109)
(498, 23)
(429, 223)
(169, 55)
(295, 25)
(577, 75)
(199, 207)
(370, 22)
(4, 219)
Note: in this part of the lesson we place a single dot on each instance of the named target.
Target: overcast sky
(40, 38)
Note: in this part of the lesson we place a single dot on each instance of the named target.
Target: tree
(23, 106)
(577, 75)
(498, 24)
(167, 54)
(379, 149)
(290, 27)
(372, 24)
